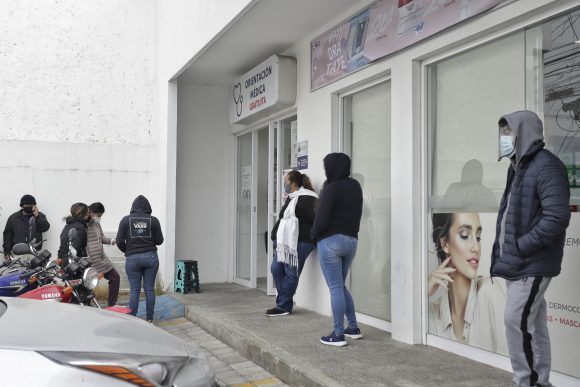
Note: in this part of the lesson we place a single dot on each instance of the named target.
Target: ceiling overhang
(264, 28)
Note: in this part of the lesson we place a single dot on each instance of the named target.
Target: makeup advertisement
(471, 308)
(381, 29)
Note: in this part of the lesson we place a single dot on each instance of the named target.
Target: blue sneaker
(353, 333)
(333, 339)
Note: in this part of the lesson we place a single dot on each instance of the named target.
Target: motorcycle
(14, 275)
(72, 282)
(12, 283)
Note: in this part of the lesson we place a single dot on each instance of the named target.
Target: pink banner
(385, 27)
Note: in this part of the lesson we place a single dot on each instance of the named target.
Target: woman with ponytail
(291, 236)
(78, 218)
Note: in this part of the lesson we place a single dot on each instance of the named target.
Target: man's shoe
(275, 312)
(353, 333)
(333, 339)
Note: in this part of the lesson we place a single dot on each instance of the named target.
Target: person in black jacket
(336, 230)
(291, 236)
(17, 225)
(79, 215)
(530, 233)
(138, 236)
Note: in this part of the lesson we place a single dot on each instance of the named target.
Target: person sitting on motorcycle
(17, 225)
(78, 218)
(99, 260)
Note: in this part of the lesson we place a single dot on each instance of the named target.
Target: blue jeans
(336, 254)
(142, 267)
(286, 277)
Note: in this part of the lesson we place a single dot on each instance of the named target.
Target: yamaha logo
(50, 295)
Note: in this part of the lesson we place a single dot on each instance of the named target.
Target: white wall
(183, 28)
(202, 179)
(78, 106)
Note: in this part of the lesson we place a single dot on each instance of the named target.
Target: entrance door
(245, 272)
(259, 199)
(366, 138)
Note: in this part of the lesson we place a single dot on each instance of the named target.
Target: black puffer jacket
(139, 232)
(16, 230)
(80, 240)
(341, 200)
(535, 204)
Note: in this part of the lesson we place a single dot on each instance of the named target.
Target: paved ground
(289, 347)
(231, 368)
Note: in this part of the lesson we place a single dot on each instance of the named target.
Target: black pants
(114, 281)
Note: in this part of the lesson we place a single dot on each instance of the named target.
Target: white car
(52, 344)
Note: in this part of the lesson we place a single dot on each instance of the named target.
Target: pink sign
(385, 27)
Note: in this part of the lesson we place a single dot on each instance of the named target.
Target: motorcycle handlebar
(29, 273)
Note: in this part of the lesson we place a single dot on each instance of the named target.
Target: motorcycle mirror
(72, 234)
(20, 249)
(51, 264)
(31, 227)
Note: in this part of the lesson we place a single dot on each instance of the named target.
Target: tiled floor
(231, 368)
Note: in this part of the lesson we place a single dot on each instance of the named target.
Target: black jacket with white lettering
(139, 232)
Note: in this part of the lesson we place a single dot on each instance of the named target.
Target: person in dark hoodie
(138, 236)
(530, 233)
(78, 218)
(17, 225)
(336, 229)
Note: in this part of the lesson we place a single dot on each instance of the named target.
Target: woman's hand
(440, 276)
(101, 276)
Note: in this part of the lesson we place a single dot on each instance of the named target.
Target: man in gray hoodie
(530, 233)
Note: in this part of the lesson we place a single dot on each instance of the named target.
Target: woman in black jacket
(336, 231)
(291, 236)
(79, 215)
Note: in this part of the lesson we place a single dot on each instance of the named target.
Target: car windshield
(2, 308)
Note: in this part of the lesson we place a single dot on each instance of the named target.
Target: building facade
(412, 91)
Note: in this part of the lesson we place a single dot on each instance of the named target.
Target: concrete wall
(202, 179)
(78, 101)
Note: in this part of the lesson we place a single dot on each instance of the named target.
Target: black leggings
(114, 281)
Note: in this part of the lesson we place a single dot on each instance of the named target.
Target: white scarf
(288, 229)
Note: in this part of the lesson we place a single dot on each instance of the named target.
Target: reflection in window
(555, 47)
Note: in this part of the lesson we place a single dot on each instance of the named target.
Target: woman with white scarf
(291, 236)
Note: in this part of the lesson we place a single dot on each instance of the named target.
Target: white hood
(50, 326)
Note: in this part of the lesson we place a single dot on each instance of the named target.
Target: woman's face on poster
(464, 244)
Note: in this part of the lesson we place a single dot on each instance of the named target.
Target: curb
(275, 360)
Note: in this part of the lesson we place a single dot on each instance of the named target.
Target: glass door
(366, 138)
(245, 269)
(260, 197)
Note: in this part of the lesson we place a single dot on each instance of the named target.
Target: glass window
(536, 69)
(367, 139)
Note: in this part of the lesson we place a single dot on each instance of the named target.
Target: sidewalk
(231, 369)
(289, 346)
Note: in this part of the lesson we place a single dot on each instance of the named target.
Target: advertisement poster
(470, 238)
(302, 155)
(246, 184)
(385, 27)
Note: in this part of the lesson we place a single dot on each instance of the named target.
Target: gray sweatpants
(527, 331)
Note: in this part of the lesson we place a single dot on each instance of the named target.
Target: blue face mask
(288, 188)
(506, 146)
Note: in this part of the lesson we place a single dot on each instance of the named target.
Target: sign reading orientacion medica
(268, 87)
(382, 29)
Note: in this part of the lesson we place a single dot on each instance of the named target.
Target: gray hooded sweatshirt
(534, 211)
